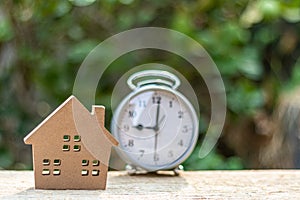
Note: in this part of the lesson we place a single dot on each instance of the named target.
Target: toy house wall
(70, 172)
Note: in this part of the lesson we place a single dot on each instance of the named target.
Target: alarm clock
(156, 126)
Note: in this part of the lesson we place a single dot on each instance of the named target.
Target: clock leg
(131, 170)
(178, 169)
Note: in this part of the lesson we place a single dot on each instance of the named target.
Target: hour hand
(149, 127)
(156, 128)
(140, 127)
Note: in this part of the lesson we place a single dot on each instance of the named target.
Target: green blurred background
(255, 45)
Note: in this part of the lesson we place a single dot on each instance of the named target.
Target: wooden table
(262, 184)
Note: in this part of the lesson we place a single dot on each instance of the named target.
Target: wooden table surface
(262, 184)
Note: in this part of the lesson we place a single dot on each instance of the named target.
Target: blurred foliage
(255, 45)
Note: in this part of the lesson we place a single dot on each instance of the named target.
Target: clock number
(126, 128)
(132, 114)
(130, 143)
(171, 104)
(141, 153)
(156, 100)
(180, 143)
(180, 114)
(170, 154)
(142, 104)
(185, 129)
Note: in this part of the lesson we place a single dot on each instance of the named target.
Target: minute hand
(157, 118)
(156, 132)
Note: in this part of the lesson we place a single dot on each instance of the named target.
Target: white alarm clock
(156, 126)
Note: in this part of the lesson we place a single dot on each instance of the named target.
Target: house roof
(29, 138)
(90, 126)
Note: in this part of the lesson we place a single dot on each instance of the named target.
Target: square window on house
(95, 172)
(56, 172)
(96, 162)
(76, 138)
(66, 138)
(45, 172)
(85, 162)
(46, 162)
(76, 148)
(84, 172)
(56, 162)
(66, 147)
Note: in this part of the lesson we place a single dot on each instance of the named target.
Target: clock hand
(156, 133)
(157, 117)
(159, 123)
(149, 127)
(141, 127)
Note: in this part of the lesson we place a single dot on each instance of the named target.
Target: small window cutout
(46, 162)
(84, 172)
(95, 172)
(76, 138)
(76, 148)
(56, 162)
(85, 162)
(45, 172)
(66, 147)
(95, 162)
(66, 138)
(56, 172)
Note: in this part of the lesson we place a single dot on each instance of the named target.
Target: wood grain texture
(262, 184)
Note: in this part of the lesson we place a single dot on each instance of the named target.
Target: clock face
(157, 128)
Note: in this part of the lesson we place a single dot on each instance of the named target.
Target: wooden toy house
(71, 148)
